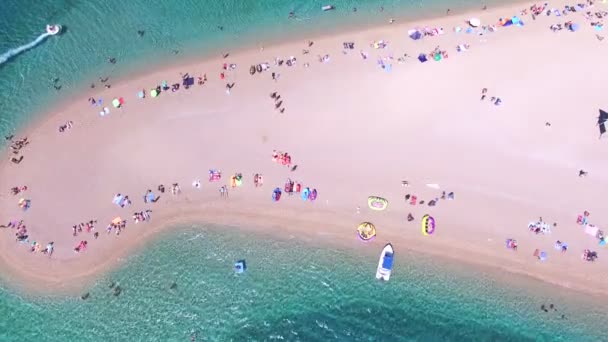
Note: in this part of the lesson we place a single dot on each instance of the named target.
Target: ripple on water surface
(295, 292)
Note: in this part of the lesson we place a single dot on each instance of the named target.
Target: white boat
(385, 264)
(53, 29)
(328, 7)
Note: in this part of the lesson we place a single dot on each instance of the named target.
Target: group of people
(281, 157)
(413, 200)
(121, 200)
(277, 102)
(79, 228)
(16, 147)
(67, 126)
(494, 100)
(117, 226)
(18, 189)
(142, 216)
(19, 226)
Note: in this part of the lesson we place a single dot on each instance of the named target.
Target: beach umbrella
(574, 27)
(601, 121)
(164, 85)
(117, 220)
(188, 81)
(414, 34)
(116, 103)
(422, 58)
(603, 117)
(141, 94)
(437, 57)
(153, 93)
(474, 22)
(150, 197)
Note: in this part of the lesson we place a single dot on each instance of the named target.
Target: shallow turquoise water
(97, 30)
(296, 293)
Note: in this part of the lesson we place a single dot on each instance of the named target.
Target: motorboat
(53, 29)
(385, 264)
(328, 7)
(240, 266)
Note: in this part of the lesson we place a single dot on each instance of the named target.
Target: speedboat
(385, 264)
(328, 8)
(53, 29)
(240, 266)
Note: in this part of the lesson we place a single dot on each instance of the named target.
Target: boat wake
(14, 52)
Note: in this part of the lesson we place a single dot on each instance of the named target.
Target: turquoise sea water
(291, 291)
(296, 292)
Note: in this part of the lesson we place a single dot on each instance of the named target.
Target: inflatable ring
(305, 194)
(428, 225)
(313, 195)
(276, 195)
(377, 203)
(366, 231)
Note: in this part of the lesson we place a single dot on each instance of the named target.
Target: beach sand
(354, 130)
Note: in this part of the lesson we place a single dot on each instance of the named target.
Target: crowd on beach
(117, 225)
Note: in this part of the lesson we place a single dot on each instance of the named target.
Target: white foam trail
(14, 52)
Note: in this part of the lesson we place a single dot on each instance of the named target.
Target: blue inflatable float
(305, 194)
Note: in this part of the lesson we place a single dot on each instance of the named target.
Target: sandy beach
(355, 127)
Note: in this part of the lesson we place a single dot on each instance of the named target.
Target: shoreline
(125, 246)
(497, 266)
(194, 58)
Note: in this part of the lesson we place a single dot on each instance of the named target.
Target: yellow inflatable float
(366, 231)
(428, 225)
(377, 203)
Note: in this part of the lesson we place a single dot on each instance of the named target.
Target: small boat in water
(53, 29)
(328, 7)
(385, 264)
(240, 266)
